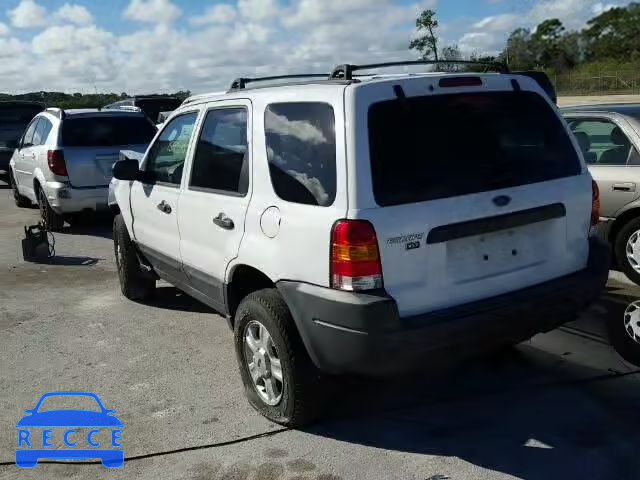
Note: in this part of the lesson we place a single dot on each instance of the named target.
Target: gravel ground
(561, 406)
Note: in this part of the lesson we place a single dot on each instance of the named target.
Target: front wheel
(20, 200)
(279, 378)
(134, 283)
(627, 248)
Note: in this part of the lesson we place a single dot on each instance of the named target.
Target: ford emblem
(502, 200)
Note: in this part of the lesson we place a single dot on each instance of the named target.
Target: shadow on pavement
(74, 261)
(170, 298)
(524, 413)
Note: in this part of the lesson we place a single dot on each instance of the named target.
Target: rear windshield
(18, 115)
(431, 147)
(106, 131)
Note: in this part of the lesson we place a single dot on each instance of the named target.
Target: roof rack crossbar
(240, 83)
(58, 112)
(346, 71)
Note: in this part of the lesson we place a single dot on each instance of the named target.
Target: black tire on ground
(134, 283)
(301, 399)
(621, 340)
(21, 201)
(51, 220)
(620, 247)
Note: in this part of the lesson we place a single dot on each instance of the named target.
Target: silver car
(63, 160)
(609, 137)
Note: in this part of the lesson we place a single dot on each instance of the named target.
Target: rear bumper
(360, 333)
(602, 229)
(65, 199)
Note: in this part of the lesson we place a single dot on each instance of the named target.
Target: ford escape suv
(363, 224)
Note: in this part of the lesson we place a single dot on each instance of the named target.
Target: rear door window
(602, 141)
(27, 140)
(107, 131)
(432, 147)
(301, 149)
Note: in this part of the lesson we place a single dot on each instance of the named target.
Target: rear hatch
(477, 192)
(92, 145)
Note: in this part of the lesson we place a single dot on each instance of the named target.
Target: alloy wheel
(263, 363)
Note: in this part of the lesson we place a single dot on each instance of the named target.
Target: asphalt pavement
(563, 405)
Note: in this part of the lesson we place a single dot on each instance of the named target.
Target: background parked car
(14, 118)
(64, 160)
(151, 105)
(609, 137)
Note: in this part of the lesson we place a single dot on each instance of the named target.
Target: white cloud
(600, 7)
(499, 23)
(572, 13)
(73, 13)
(28, 14)
(258, 9)
(152, 11)
(4, 29)
(218, 13)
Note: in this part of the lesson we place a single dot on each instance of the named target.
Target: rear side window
(301, 149)
(221, 162)
(107, 131)
(426, 148)
(42, 131)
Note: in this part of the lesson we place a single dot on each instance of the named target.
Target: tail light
(355, 258)
(450, 82)
(57, 165)
(595, 203)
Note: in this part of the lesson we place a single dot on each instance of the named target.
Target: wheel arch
(242, 280)
(621, 220)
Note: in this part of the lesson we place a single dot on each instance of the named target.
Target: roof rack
(345, 71)
(241, 83)
(58, 112)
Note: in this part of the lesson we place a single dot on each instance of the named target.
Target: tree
(427, 41)
(614, 34)
(545, 43)
(518, 54)
(450, 53)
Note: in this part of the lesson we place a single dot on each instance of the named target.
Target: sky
(145, 46)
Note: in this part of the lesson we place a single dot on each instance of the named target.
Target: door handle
(164, 207)
(624, 187)
(223, 221)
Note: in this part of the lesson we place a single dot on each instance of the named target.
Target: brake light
(355, 258)
(595, 203)
(449, 82)
(57, 165)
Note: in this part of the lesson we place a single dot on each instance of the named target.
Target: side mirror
(126, 170)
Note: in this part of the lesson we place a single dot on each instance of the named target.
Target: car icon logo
(84, 432)
(502, 200)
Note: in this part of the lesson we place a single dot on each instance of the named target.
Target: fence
(620, 82)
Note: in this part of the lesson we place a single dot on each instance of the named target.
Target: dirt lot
(561, 406)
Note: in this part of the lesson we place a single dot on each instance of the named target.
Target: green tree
(452, 54)
(518, 53)
(614, 34)
(427, 41)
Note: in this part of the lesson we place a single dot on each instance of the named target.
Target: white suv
(363, 224)
(64, 159)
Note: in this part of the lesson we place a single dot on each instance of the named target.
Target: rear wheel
(134, 283)
(21, 200)
(50, 219)
(627, 248)
(624, 334)
(279, 378)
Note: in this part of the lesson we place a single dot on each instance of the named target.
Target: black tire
(134, 282)
(52, 221)
(621, 338)
(631, 227)
(301, 399)
(21, 201)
